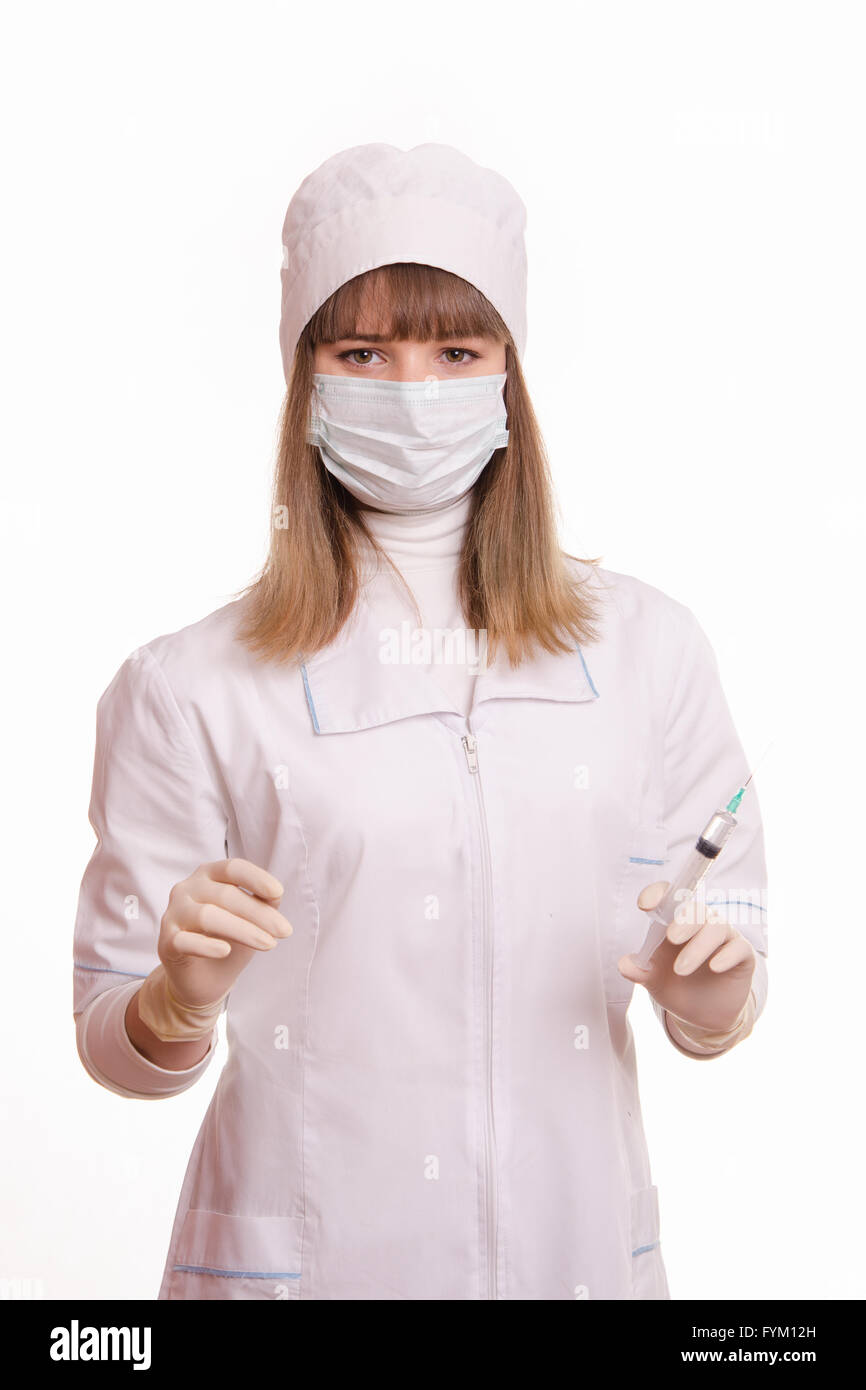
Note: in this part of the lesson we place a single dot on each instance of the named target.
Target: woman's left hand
(702, 971)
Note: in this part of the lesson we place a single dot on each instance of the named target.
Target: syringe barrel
(698, 863)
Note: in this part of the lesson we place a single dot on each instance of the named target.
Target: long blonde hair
(514, 581)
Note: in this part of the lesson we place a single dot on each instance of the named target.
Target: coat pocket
(218, 1256)
(645, 861)
(648, 1276)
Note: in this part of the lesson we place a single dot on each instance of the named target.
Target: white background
(693, 175)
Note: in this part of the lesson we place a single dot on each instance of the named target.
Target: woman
(426, 762)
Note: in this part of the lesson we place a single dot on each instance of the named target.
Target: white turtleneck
(426, 547)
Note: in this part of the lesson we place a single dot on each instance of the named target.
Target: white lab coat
(431, 1089)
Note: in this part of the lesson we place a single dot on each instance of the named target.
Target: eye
(366, 353)
(461, 356)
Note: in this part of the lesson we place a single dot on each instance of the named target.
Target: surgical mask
(407, 446)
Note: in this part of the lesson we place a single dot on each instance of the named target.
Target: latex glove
(701, 973)
(214, 923)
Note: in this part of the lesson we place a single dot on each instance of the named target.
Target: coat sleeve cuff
(109, 1056)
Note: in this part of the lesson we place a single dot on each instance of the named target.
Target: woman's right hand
(215, 922)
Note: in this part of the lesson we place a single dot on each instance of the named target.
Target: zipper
(470, 748)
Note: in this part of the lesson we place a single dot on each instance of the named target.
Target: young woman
(392, 810)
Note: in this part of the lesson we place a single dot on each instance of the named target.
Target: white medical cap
(375, 204)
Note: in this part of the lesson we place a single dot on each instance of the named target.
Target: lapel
(354, 683)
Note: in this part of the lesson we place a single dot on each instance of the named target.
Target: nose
(411, 362)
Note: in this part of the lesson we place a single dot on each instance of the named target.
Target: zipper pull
(470, 747)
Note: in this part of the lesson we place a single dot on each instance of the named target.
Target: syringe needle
(734, 803)
(756, 765)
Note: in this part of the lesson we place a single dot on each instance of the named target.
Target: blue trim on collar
(586, 672)
(309, 695)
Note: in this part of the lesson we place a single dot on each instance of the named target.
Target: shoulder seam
(178, 713)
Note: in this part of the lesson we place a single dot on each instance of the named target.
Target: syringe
(708, 846)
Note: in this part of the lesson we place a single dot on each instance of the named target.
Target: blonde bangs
(404, 302)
